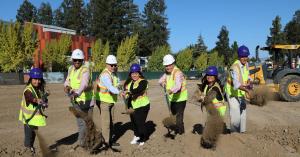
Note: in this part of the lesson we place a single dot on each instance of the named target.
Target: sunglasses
(113, 65)
(77, 60)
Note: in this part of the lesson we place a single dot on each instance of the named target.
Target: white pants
(237, 111)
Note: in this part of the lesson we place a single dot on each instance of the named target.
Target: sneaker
(135, 140)
(141, 143)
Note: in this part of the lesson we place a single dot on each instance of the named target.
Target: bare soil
(272, 130)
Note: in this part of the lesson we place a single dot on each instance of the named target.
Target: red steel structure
(47, 32)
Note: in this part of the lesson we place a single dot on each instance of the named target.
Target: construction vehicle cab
(282, 72)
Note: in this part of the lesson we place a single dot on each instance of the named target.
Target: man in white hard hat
(175, 83)
(106, 96)
(78, 85)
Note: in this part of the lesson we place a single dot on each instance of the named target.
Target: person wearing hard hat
(106, 95)
(236, 88)
(31, 114)
(210, 82)
(136, 92)
(174, 82)
(78, 86)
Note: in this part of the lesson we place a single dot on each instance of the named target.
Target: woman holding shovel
(32, 105)
(136, 93)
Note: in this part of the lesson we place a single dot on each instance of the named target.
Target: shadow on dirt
(69, 140)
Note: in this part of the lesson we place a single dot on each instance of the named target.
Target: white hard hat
(111, 59)
(168, 59)
(77, 54)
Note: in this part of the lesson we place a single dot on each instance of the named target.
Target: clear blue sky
(248, 21)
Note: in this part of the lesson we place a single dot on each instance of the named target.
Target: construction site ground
(272, 130)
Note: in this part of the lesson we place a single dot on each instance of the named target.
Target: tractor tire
(289, 88)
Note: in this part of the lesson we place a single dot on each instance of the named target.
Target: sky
(248, 21)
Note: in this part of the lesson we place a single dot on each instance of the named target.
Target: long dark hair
(42, 85)
(129, 79)
(217, 80)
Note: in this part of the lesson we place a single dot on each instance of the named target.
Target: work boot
(134, 140)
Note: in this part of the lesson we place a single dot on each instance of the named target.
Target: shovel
(170, 121)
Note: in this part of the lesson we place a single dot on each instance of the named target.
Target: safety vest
(242, 76)
(103, 93)
(26, 111)
(75, 77)
(142, 100)
(218, 104)
(181, 95)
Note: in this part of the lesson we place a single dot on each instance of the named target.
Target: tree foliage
(26, 12)
(11, 50)
(156, 60)
(29, 44)
(44, 14)
(155, 32)
(184, 59)
(215, 60)
(201, 62)
(292, 29)
(55, 54)
(126, 52)
(99, 53)
(200, 47)
(222, 45)
(234, 49)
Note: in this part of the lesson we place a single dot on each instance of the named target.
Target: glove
(74, 95)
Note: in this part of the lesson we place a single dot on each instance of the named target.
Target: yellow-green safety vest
(142, 100)
(26, 111)
(75, 77)
(219, 105)
(181, 95)
(103, 93)
(243, 77)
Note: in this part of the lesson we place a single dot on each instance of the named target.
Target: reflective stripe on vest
(219, 105)
(242, 76)
(142, 100)
(181, 95)
(27, 111)
(75, 77)
(103, 93)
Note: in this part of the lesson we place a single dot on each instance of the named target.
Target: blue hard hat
(36, 73)
(212, 71)
(135, 68)
(243, 51)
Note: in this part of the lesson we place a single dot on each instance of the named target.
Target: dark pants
(177, 108)
(29, 135)
(138, 119)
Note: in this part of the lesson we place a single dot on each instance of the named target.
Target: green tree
(99, 53)
(292, 29)
(200, 47)
(26, 12)
(222, 45)
(156, 60)
(11, 53)
(155, 32)
(215, 60)
(113, 20)
(126, 52)
(276, 35)
(184, 58)
(29, 44)
(44, 14)
(58, 17)
(55, 54)
(73, 15)
(234, 49)
(201, 62)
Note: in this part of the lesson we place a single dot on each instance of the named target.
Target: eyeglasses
(113, 65)
(77, 60)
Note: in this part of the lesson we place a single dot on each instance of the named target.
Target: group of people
(104, 93)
